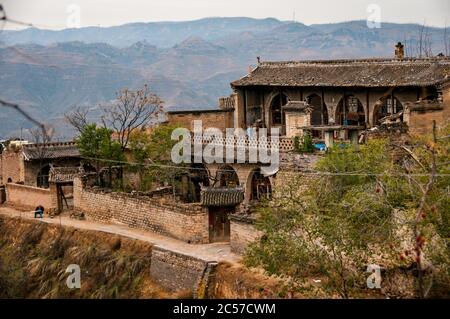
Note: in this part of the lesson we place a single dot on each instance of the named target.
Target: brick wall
(11, 167)
(188, 222)
(220, 119)
(421, 122)
(28, 197)
(242, 233)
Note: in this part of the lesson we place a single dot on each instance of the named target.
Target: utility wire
(252, 169)
(25, 114)
(6, 18)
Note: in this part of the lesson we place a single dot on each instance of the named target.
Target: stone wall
(421, 121)
(31, 168)
(10, 167)
(28, 197)
(188, 222)
(220, 119)
(295, 120)
(242, 233)
(176, 271)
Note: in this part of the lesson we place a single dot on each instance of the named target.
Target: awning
(222, 196)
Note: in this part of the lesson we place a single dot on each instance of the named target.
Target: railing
(284, 144)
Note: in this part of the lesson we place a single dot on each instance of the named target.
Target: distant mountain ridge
(189, 64)
(161, 34)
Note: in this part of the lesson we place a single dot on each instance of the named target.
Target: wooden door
(219, 224)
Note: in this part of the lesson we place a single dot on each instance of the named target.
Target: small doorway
(219, 223)
(64, 193)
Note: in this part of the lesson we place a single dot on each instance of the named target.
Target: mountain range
(189, 64)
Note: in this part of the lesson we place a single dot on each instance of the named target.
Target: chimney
(399, 51)
(258, 58)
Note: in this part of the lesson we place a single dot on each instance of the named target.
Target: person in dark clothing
(39, 211)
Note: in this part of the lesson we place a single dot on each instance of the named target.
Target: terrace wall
(29, 197)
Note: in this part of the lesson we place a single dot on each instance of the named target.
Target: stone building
(332, 100)
(339, 95)
(30, 164)
(221, 118)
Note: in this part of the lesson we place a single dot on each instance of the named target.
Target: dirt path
(209, 252)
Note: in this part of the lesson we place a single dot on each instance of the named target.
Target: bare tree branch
(130, 111)
(77, 118)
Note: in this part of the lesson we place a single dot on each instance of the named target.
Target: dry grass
(34, 257)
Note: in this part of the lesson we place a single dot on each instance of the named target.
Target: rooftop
(222, 196)
(63, 174)
(190, 111)
(296, 106)
(350, 73)
(50, 150)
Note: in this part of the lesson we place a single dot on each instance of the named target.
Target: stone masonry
(188, 222)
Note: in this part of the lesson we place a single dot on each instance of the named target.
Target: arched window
(227, 177)
(261, 187)
(9, 180)
(350, 111)
(42, 177)
(276, 112)
(389, 105)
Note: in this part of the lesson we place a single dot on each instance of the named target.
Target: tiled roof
(63, 174)
(348, 73)
(222, 196)
(50, 150)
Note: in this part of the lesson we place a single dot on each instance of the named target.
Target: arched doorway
(350, 111)
(319, 115)
(227, 177)
(386, 106)
(276, 112)
(261, 187)
(42, 177)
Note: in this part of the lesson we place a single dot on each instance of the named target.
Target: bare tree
(424, 42)
(39, 151)
(428, 44)
(77, 118)
(132, 110)
(446, 41)
(40, 140)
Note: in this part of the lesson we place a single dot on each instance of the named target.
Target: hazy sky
(58, 14)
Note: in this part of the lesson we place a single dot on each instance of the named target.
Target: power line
(6, 18)
(25, 114)
(367, 174)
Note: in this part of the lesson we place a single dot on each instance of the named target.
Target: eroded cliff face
(34, 257)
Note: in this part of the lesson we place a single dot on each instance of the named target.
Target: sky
(60, 14)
